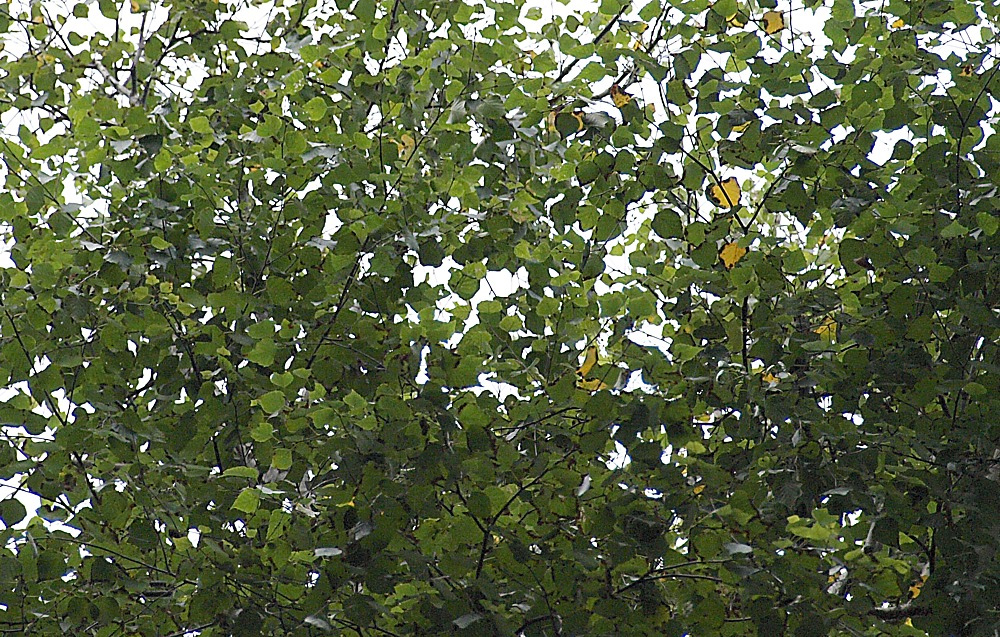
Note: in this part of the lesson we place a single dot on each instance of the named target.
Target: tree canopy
(408, 317)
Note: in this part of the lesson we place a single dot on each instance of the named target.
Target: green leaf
(263, 353)
(362, 257)
(315, 108)
(667, 224)
(282, 459)
(587, 172)
(356, 402)
(12, 512)
(262, 432)
(247, 501)
(989, 223)
(272, 402)
(240, 472)
(954, 229)
(200, 124)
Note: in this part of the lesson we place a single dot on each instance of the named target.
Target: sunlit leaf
(827, 329)
(916, 586)
(773, 21)
(620, 97)
(898, 23)
(406, 145)
(726, 194)
(241, 472)
(731, 253)
(589, 360)
(247, 501)
(593, 384)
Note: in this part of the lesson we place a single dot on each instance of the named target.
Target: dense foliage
(407, 317)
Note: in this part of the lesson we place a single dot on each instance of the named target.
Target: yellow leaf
(967, 71)
(736, 20)
(619, 97)
(698, 489)
(551, 120)
(915, 589)
(739, 128)
(726, 194)
(770, 378)
(773, 22)
(731, 253)
(636, 45)
(406, 145)
(588, 361)
(898, 23)
(908, 622)
(594, 384)
(135, 7)
(827, 329)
